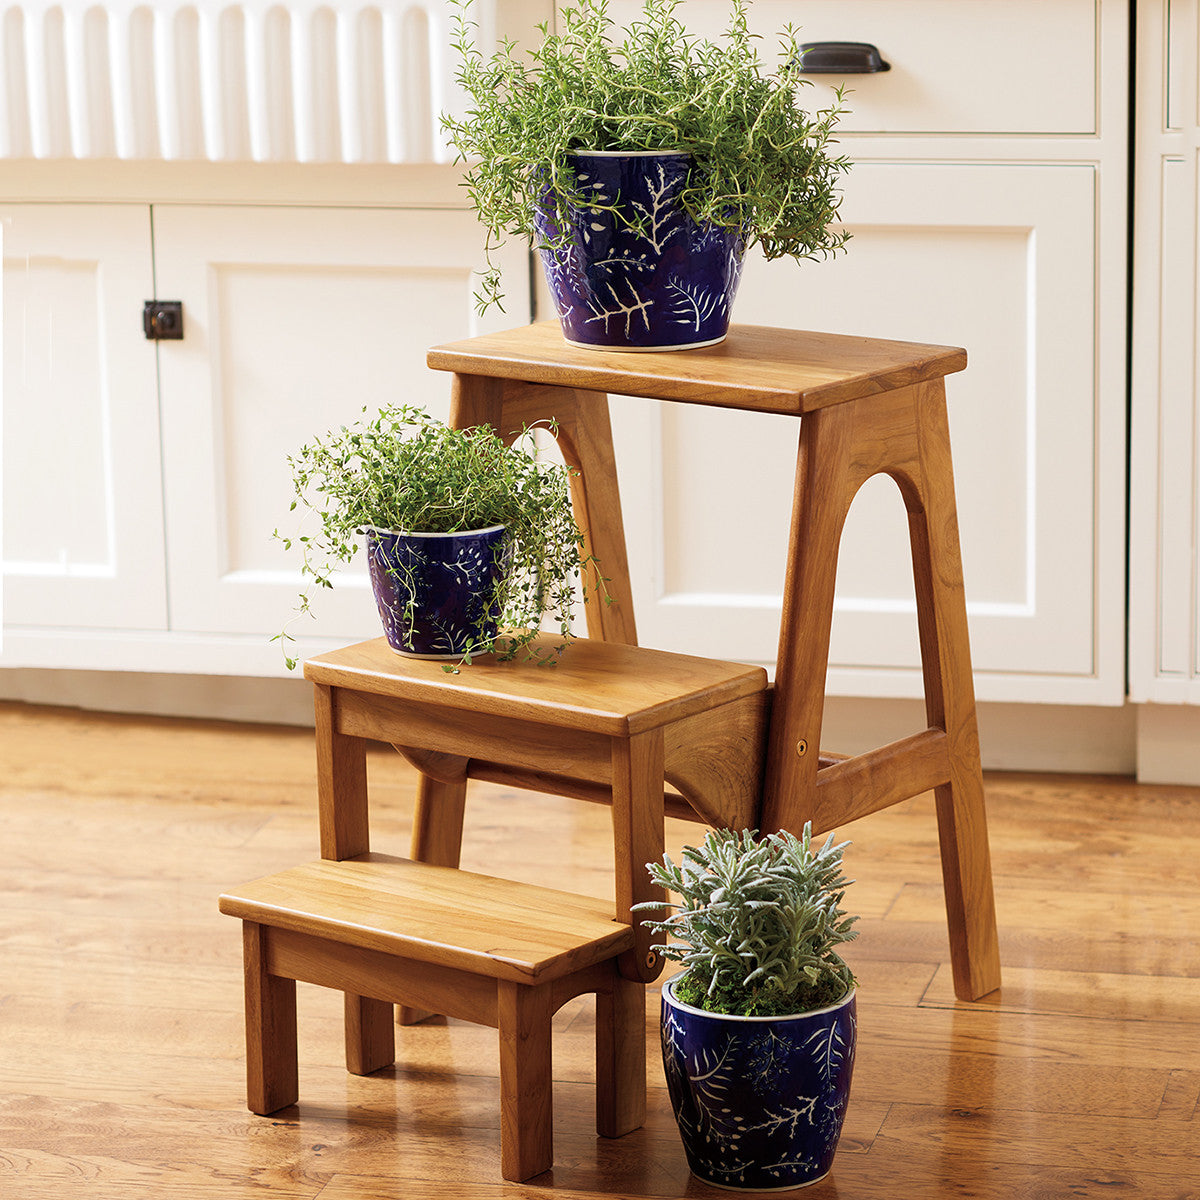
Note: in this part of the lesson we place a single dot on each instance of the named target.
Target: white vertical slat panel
(418, 104)
(36, 77)
(235, 85)
(445, 93)
(372, 91)
(257, 119)
(75, 58)
(281, 120)
(143, 102)
(210, 83)
(120, 84)
(98, 86)
(322, 67)
(393, 81)
(11, 46)
(166, 91)
(263, 80)
(347, 91)
(302, 87)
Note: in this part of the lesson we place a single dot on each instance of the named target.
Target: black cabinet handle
(841, 58)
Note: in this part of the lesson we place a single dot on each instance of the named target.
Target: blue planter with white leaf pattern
(435, 591)
(759, 1101)
(647, 276)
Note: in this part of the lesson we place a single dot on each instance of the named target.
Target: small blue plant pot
(759, 1101)
(435, 591)
(666, 284)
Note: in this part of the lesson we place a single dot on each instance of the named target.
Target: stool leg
(438, 821)
(950, 705)
(370, 1035)
(436, 838)
(585, 438)
(345, 832)
(638, 837)
(341, 783)
(526, 1103)
(272, 1076)
(620, 1058)
(826, 481)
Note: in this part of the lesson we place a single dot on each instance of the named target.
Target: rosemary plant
(758, 923)
(404, 470)
(763, 165)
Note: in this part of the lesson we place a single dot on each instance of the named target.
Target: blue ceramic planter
(759, 1100)
(433, 590)
(667, 285)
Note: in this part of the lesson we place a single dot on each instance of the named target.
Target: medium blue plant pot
(668, 285)
(434, 590)
(759, 1100)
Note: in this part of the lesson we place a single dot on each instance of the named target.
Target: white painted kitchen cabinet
(984, 214)
(83, 522)
(1164, 585)
(160, 553)
(988, 205)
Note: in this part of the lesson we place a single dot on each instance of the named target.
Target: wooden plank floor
(120, 992)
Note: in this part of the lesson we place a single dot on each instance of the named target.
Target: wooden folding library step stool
(617, 723)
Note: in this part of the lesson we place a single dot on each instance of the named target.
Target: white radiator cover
(301, 81)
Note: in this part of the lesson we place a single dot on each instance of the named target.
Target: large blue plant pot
(759, 1100)
(434, 590)
(666, 286)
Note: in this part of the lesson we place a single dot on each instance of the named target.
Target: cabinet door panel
(998, 259)
(83, 537)
(295, 320)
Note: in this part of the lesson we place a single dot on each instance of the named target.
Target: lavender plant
(763, 165)
(758, 923)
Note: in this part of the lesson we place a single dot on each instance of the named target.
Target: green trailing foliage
(758, 923)
(763, 165)
(404, 470)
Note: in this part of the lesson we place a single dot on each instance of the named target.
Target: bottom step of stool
(469, 922)
(387, 930)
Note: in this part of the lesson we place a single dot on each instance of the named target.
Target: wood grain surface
(435, 914)
(756, 367)
(121, 1025)
(600, 687)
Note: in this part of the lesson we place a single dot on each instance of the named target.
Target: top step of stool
(756, 367)
(496, 927)
(600, 687)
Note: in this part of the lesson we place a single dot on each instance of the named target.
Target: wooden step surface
(494, 927)
(594, 686)
(756, 367)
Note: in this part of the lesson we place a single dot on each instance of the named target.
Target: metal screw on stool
(801, 748)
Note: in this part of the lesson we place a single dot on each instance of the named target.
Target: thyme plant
(404, 470)
(758, 923)
(763, 165)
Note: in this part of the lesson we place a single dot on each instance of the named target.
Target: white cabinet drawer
(957, 66)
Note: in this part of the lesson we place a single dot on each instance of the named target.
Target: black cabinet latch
(162, 320)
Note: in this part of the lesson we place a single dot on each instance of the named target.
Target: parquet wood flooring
(121, 1007)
